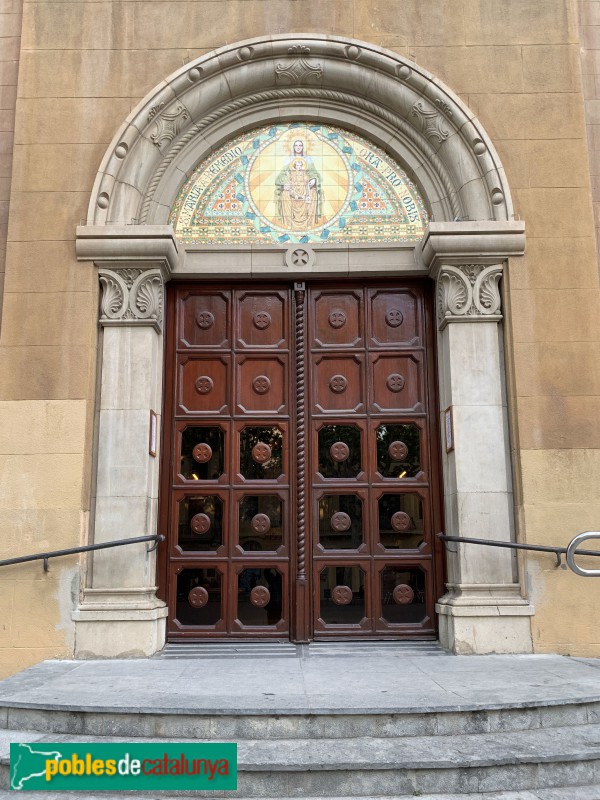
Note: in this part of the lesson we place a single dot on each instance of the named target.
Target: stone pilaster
(120, 614)
(483, 609)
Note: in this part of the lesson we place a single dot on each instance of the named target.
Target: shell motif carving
(403, 594)
(113, 296)
(260, 596)
(202, 453)
(341, 595)
(198, 597)
(131, 297)
(469, 291)
(146, 297)
(200, 523)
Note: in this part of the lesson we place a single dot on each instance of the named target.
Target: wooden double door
(300, 462)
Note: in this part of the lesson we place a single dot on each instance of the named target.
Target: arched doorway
(422, 127)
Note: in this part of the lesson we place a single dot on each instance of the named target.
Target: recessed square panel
(398, 450)
(338, 383)
(337, 319)
(394, 318)
(203, 385)
(403, 599)
(199, 597)
(396, 383)
(261, 384)
(261, 319)
(202, 453)
(342, 591)
(204, 320)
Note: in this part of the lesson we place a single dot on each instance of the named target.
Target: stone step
(390, 767)
(236, 650)
(222, 724)
(562, 793)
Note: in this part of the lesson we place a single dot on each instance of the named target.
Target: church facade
(296, 288)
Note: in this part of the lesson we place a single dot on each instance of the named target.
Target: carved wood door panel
(297, 486)
(372, 509)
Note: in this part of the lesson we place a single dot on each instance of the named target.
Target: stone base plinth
(485, 618)
(119, 623)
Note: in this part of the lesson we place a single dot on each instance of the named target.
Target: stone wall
(10, 47)
(85, 65)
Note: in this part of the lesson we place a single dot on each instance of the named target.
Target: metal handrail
(157, 538)
(570, 551)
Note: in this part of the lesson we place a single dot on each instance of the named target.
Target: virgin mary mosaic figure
(298, 192)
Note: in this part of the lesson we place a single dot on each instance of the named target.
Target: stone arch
(399, 105)
(465, 249)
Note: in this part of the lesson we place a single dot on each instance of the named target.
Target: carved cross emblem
(337, 318)
(338, 384)
(204, 319)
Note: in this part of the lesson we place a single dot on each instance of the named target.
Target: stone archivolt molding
(469, 293)
(131, 297)
(385, 97)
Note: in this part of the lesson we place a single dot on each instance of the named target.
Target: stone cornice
(484, 242)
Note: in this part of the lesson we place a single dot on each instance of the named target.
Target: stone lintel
(143, 247)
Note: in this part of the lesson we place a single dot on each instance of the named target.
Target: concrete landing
(388, 683)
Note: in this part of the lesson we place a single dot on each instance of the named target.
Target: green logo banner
(123, 766)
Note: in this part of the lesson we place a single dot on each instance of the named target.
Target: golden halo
(296, 135)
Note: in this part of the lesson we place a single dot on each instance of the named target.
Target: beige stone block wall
(10, 47)
(84, 65)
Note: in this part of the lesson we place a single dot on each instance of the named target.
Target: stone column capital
(131, 297)
(468, 293)
(134, 262)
